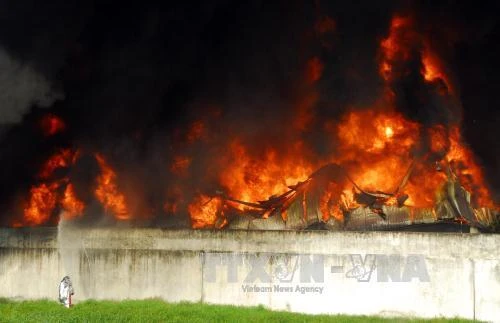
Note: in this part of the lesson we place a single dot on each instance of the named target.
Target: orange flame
(60, 159)
(397, 46)
(439, 140)
(380, 144)
(45, 197)
(326, 207)
(252, 179)
(374, 148)
(204, 211)
(467, 170)
(72, 206)
(432, 68)
(43, 200)
(107, 191)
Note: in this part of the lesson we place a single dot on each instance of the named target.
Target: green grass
(159, 311)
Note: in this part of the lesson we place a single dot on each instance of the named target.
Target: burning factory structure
(385, 150)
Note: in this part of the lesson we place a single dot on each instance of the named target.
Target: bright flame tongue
(374, 147)
(45, 197)
(467, 170)
(61, 159)
(204, 210)
(252, 179)
(51, 193)
(107, 191)
(41, 204)
(71, 204)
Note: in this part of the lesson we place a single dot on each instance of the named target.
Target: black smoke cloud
(131, 79)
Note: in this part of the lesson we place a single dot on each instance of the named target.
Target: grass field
(159, 311)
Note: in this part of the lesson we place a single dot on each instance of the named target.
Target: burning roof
(323, 200)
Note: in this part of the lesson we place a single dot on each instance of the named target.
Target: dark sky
(127, 76)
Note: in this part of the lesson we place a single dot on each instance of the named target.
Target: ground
(159, 311)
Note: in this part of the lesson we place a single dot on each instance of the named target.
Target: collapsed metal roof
(303, 207)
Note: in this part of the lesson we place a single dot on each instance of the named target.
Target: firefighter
(65, 291)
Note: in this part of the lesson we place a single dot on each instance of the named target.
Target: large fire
(56, 192)
(45, 197)
(376, 145)
(253, 180)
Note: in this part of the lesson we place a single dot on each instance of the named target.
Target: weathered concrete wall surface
(379, 273)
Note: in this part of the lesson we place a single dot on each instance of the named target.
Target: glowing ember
(180, 165)
(314, 70)
(196, 131)
(52, 125)
(324, 25)
(107, 191)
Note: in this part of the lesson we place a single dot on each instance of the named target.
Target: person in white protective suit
(65, 291)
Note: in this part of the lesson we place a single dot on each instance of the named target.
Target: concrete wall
(463, 270)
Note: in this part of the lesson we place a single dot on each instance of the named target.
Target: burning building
(250, 117)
